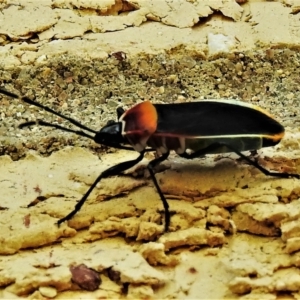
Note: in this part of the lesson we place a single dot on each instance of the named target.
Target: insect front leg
(151, 167)
(112, 171)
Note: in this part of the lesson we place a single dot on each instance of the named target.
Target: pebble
(49, 292)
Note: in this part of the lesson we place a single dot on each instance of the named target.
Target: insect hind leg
(253, 163)
(151, 167)
(262, 169)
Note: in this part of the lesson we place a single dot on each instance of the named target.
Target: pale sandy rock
(202, 8)
(293, 244)
(149, 231)
(228, 8)
(268, 212)
(102, 5)
(69, 25)
(47, 172)
(140, 292)
(41, 178)
(9, 61)
(290, 140)
(109, 285)
(118, 213)
(192, 237)
(8, 295)
(114, 23)
(2, 38)
(293, 209)
(27, 58)
(132, 266)
(295, 4)
(151, 215)
(33, 232)
(98, 294)
(257, 256)
(244, 285)
(290, 229)
(290, 2)
(185, 216)
(282, 280)
(239, 196)
(31, 3)
(258, 295)
(136, 40)
(197, 272)
(265, 191)
(97, 45)
(31, 278)
(187, 13)
(155, 254)
(262, 18)
(177, 13)
(29, 20)
(88, 49)
(183, 180)
(245, 223)
(117, 186)
(130, 226)
(113, 226)
(240, 36)
(53, 270)
(219, 216)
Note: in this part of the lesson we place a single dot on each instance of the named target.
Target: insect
(190, 129)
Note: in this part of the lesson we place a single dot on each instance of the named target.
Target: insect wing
(210, 119)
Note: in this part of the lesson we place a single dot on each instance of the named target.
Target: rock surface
(234, 232)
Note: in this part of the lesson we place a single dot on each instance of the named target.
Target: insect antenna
(56, 126)
(48, 109)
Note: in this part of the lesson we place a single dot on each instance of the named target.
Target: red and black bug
(190, 129)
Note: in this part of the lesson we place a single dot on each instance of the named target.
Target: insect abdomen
(179, 144)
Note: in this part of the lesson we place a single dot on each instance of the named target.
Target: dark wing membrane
(214, 118)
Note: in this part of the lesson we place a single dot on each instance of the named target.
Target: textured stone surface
(234, 232)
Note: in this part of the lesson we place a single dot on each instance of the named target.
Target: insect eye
(110, 122)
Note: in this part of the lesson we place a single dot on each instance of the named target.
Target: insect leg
(262, 169)
(215, 146)
(114, 170)
(151, 167)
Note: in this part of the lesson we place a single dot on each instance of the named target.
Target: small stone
(161, 90)
(239, 67)
(48, 292)
(88, 279)
(114, 275)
